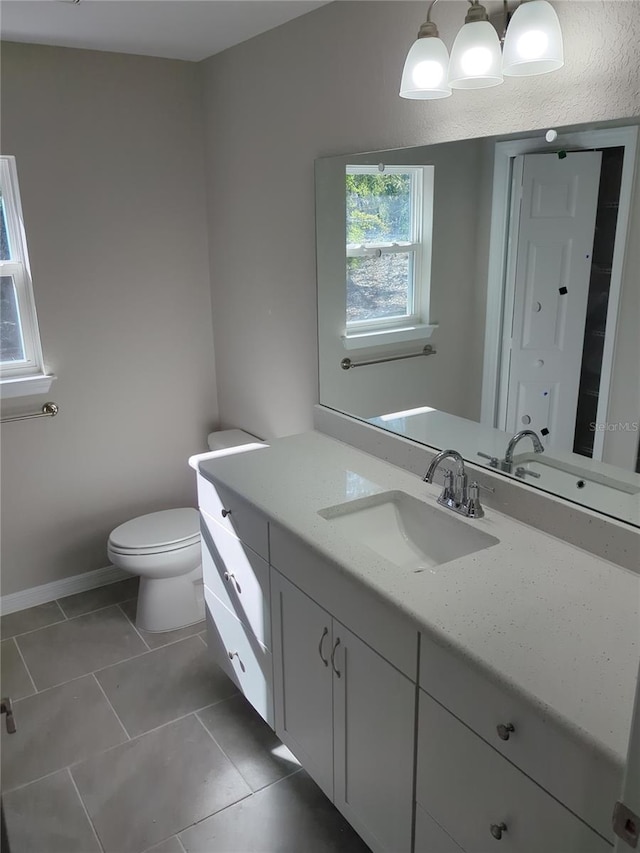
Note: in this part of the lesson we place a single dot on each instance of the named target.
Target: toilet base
(166, 604)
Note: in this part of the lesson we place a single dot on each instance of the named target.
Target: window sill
(389, 336)
(26, 386)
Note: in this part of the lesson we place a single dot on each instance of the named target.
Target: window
(20, 350)
(388, 242)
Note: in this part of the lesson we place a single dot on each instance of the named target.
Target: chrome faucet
(538, 447)
(455, 494)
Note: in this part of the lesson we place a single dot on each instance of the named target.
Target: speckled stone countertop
(546, 619)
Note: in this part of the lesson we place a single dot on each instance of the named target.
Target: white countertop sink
(539, 616)
(408, 532)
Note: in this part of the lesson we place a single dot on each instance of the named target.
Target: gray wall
(110, 163)
(324, 84)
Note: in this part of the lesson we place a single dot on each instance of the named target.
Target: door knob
(504, 731)
(7, 708)
(497, 829)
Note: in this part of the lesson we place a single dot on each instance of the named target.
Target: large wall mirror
(471, 290)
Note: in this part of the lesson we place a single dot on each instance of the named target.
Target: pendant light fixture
(426, 67)
(476, 57)
(533, 42)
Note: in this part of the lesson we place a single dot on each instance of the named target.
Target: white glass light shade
(476, 58)
(533, 44)
(425, 70)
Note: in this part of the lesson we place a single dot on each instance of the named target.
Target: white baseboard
(58, 589)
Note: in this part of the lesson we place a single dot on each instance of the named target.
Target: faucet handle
(480, 486)
(447, 492)
(493, 460)
(474, 508)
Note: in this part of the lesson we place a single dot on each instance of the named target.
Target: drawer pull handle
(233, 655)
(229, 576)
(497, 829)
(322, 657)
(505, 731)
(333, 658)
(225, 512)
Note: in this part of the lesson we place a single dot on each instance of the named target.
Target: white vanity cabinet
(586, 780)
(347, 714)
(422, 749)
(481, 799)
(235, 553)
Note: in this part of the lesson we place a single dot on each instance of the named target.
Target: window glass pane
(379, 208)
(5, 253)
(379, 288)
(11, 343)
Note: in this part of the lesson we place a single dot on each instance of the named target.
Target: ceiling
(174, 29)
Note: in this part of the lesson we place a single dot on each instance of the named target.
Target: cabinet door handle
(229, 576)
(7, 708)
(233, 655)
(322, 657)
(505, 730)
(225, 512)
(497, 829)
(333, 657)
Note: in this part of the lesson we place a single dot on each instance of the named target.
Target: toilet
(163, 548)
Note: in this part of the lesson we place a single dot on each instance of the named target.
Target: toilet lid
(157, 530)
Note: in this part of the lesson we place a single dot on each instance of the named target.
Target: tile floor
(130, 742)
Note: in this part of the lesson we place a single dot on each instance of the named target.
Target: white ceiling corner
(175, 29)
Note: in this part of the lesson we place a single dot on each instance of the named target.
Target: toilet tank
(222, 439)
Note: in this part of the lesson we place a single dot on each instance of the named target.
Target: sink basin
(406, 531)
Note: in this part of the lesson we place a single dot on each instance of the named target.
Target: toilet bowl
(163, 548)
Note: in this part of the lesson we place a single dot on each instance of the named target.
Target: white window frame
(414, 324)
(26, 376)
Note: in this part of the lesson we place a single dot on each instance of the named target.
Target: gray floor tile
(56, 728)
(171, 845)
(14, 678)
(30, 619)
(288, 817)
(103, 596)
(155, 639)
(164, 684)
(48, 816)
(249, 742)
(81, 645)
(154, 786)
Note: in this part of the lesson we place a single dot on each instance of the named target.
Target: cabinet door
(238, 577)
(430, 837)
(237, 652)
(374, 728)
(301, 632)
(479, 797)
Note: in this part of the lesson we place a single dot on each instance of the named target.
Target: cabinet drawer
(240, 518)
(586, 780)
(430, 837)
(238, 577)
(469, 788)
(378, 623)
(238, 653)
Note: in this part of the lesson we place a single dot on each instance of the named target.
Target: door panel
(302, 679)
(552, 270)
(374, 720)
(473, 793)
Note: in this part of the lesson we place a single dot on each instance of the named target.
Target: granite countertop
(541, 617)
